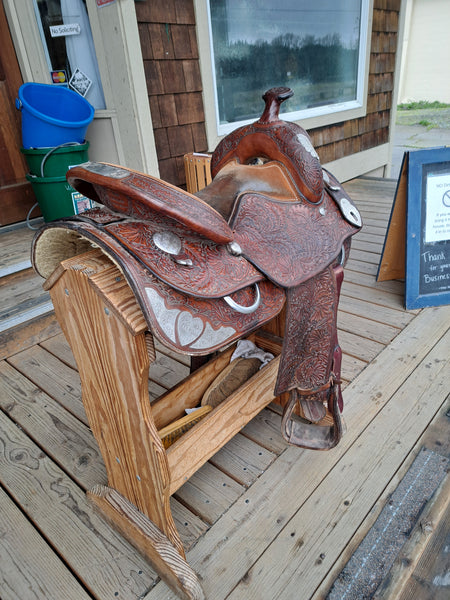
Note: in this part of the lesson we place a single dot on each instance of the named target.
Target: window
(316, 48)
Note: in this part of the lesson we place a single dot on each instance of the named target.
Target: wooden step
(22, 297)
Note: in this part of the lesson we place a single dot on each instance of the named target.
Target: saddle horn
(273, 99)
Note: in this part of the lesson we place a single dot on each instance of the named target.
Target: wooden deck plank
(359, 243)
(184, 359)
(361, 266)
(66, 440)
(55, 378)
(372, 189)
(28, 334)
(314, 538)
(58, 346)
(155, 390)
(20, 292)
(378, 217)
(379, 332)
(374, 295)
(265, 429)
(167, 372)
(189, 525)
(375, 237)
(15, 248)
(100, 557)
(376, 229)
(364, 256)
(258, 516)
(358, 346)
(242, 459)
(29, 568)
(351, 366)
(368, 280)
(209, 493)
(376, 312)
(63, 437)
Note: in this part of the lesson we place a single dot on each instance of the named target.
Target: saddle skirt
(207, 269)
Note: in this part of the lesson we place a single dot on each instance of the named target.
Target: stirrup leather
(311, 364)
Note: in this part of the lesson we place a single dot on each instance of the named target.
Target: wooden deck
(261, 520)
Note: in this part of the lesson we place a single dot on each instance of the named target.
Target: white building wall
(426, 52)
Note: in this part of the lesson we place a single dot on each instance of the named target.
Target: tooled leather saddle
(273, 228)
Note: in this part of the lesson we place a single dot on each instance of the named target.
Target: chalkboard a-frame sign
(428, 228)
(420, 219)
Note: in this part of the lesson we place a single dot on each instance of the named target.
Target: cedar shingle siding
(170, 53)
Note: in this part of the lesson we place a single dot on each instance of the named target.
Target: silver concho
(168, 242)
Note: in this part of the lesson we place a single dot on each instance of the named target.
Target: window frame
(316, 117)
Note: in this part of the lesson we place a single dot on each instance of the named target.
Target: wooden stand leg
(150, 541)
(107, 334)
(113, 350)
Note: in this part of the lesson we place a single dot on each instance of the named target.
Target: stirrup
(310, 435)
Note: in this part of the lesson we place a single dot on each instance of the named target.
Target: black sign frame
(428, 228)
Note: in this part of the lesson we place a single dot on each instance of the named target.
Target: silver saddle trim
(246, 310)
(347, 208)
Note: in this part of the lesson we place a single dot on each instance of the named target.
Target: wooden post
(107, 334)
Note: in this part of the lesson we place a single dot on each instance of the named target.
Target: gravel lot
(434, 117)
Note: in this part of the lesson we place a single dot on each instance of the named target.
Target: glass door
(69, 47)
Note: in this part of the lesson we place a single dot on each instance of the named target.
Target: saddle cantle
(272, 228)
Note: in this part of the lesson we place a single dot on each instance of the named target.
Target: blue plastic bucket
(52, 115)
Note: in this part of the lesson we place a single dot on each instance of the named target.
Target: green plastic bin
(56, 198)
(56, 161)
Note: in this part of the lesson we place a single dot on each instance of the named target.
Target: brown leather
(214, 272)
(184, 323)
(289, 242)
(141, 196)
(312, 372)
(271, 178)
(278, 140)
(209, 268)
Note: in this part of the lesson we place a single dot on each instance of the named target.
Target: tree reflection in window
(314, 48)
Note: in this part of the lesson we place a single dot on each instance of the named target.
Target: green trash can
(55, 161)
(48, 168)
(56, 198)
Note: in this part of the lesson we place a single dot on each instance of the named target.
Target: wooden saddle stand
(257, 254)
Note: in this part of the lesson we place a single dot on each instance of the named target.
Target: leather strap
(310, 363)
